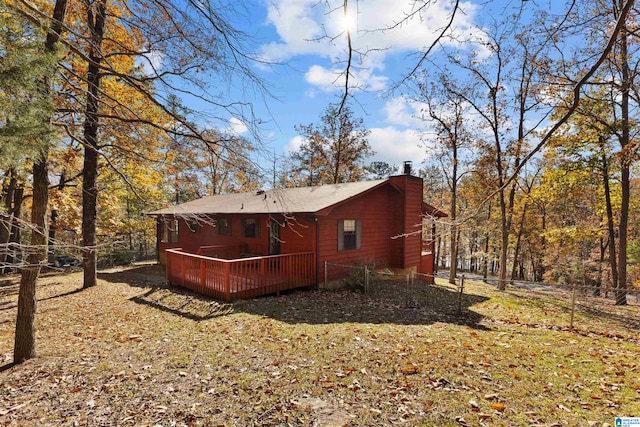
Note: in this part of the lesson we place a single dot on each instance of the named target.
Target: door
(274, 238)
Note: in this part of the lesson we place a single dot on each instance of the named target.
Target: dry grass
(133, 352)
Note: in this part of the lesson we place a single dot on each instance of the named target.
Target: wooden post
(227, 284)
(461, 290)
(326, 273)
(203, 276)
(182, 269)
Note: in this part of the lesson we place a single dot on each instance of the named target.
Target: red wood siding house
(374, 222)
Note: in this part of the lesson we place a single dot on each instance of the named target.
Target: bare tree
(447, 111)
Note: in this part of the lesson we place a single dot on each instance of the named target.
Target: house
(280, 239)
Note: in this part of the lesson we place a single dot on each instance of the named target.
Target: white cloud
(299, 25)
(294, 144)
(395, 146)
(152, 62)
(323, 79)
(403, 112)
(334, 79)
(237, 126)
(313, 27)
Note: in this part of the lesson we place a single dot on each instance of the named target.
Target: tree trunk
(504, 242)
(90, 167)
(516, 252)
(7, 221)
(25, 338)
(625, 139)
(543, 243)
(454, 209)
(53, 226)
(613, 262)
(598, 284)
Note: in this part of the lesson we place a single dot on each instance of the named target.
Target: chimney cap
(407, 167)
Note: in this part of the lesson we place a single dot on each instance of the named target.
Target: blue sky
(291, 31)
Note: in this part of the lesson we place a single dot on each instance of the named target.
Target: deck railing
(223, 251)
(230, 279)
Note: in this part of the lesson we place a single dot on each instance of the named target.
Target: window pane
(222, 224)
(349, 234)
(174, 231)
(349, 225)
(164, 232)
(249, 226)
(350, 240)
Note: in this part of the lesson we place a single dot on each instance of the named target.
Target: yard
(133, 352)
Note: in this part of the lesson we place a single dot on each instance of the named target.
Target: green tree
(333, 151)
(36, 89)
(381, 170)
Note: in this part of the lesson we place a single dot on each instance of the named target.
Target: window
(349, 234)
(164, 231)
(173, 231)
(222, 224)
(250, 227)
(169, 231)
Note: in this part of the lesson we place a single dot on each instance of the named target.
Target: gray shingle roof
(287, 200)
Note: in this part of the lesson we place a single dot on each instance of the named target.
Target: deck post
(203, 277)
(227, 282)
(263, 281)
(168, 272)
(182, 269)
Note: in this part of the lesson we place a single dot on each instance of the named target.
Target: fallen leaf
(498, 407)
(410, 370)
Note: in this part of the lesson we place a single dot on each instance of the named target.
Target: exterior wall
(378, 213)
(412, 219)
(296, 235)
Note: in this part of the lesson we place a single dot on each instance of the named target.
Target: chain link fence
(575, 303)
(412, 290)
(553, 304)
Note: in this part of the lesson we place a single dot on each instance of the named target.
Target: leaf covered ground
(132, 351)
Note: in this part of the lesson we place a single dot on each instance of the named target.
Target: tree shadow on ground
(8, 305)
(10, 284)
(343, 306)
(7, 366)
(628, 320)
(142, 276)
(183, 302)
(162, 295)
(559, 301)
(428, 305)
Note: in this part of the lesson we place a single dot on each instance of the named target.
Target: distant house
(239, 245)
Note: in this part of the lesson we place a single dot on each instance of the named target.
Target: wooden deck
(231, 279)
